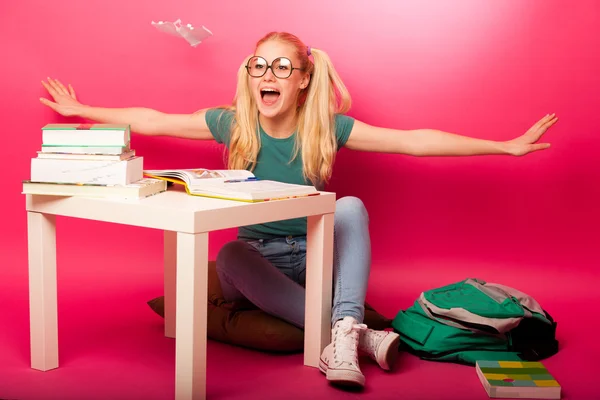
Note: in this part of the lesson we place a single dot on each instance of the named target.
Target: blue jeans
(271, 273)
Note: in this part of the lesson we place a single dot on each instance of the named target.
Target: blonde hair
(325, 96)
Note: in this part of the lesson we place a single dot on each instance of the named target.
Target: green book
(517, 380)
(109, 127)
(86, 135)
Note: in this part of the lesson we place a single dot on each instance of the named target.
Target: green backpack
(473, 320)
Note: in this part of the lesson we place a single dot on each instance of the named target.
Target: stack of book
(89, 160)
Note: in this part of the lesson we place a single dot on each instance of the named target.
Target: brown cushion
(242, 324)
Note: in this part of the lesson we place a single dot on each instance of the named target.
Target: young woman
(286, 123)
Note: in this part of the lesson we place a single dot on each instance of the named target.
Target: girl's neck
(281, 126)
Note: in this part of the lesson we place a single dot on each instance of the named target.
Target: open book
(238, 185)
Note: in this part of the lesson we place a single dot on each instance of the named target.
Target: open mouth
(269, 95)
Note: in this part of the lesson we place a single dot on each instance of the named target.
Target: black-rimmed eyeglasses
(281, 67)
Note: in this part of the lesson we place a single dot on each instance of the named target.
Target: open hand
(528, 142)
(65, 101)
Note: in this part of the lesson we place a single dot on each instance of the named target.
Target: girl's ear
(305, 81)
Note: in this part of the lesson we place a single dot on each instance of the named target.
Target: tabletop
(176, 210)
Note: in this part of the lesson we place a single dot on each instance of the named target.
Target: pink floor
(112, 345)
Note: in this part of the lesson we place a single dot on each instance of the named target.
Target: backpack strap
(500, 293)
(424, 304)
(528, 302)
(456, 315)
(412, 328)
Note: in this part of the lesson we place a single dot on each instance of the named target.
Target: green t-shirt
(273, 163)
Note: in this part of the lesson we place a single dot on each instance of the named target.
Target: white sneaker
(339, 360)
(381, 346)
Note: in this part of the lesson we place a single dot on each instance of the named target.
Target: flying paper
(192, 35)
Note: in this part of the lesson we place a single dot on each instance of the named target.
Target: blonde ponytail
(327, 95)
(244, 142)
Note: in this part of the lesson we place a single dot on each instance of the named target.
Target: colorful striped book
(517, 380)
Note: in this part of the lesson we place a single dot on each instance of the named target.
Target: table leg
(190, 324)
(319, 276)
(41, 237)
(170, 270)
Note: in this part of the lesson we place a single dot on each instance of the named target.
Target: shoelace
(346, 341)
(370, 340)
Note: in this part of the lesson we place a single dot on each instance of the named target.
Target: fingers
(56, 89)
(549, 123)
(72, 92)
(54, 86)
(59, 87)
(49, 103)
(541, 122)
(539, 146)
(548, 119)
(50, 89)
(540, 127)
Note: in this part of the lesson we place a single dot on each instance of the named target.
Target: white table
(186, 221)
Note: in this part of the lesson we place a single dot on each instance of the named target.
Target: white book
(84, 149)
(84, 156)
(87, 171)
(137, 190)
(239, 185)
(86, 135)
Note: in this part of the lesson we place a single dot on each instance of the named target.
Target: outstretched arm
(144, 121)
(431, 142)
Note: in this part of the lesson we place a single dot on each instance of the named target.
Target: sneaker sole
(388, 351)
(345, 378)
(342, 377)
(322, 366)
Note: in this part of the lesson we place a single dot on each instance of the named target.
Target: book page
(201, 176)
(253, 188)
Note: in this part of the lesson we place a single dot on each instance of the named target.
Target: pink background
(483, 69)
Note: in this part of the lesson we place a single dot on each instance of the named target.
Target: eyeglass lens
(281, 67)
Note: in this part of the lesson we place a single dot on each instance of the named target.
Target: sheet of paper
(194, 36)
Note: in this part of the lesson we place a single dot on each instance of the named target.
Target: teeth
(269, 90)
